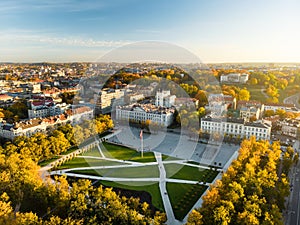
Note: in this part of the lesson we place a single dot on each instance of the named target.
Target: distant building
(31, 87)
(286, 107)
(189, 102)
(249, 104)
(236, 127)
(133, 97)
(290, 127)
(164, 98)
(218, 104)
(107, 98)
(46, 111)
(249, 113)
(5, 100)
(32, 126)
(234, 78)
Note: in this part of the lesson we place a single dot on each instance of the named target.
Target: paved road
(294, 99)
(293, 206)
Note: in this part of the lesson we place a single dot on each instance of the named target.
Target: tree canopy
(253, 189)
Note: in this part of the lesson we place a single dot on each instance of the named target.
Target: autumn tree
(252, 191)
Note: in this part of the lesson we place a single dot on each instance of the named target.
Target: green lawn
(130, 172)
(183, 197)
(255, 93)
(123, 153)
(152, 189)
(83, 162)
(93, 152)
(178, 171)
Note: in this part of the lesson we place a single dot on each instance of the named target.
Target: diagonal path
(99, 148)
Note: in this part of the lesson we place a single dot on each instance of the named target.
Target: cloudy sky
(216, 31)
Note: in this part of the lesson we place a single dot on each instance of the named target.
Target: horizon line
(212, 62)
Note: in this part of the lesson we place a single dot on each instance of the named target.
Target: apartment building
(107, 99)
(32, 126)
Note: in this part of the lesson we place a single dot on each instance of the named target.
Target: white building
(236, 127)
(143, 112)
(43, 111)
(290, 127)
(189, 102)
(133, 97)
(248, 113)
(234, 78)
(218, 104)
(286, 107)
(109, 98)
(164, 98)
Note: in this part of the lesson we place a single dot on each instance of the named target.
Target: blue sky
(216, 31)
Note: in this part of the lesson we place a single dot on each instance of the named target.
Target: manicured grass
(147, 157)
(83, 162)
(123, 153)
(93, 152)
(178, 171)
(130, 172)
(152, 189)
(183, 197)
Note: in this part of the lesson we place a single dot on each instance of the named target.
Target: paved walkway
(163, 191)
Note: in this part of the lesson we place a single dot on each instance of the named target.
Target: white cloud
(31, 38)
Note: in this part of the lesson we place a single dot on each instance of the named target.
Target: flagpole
(142, 147)
(142, 144)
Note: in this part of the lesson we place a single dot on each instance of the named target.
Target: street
(294, 99)
(293, 209)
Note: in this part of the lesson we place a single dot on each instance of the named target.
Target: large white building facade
(237, 127)
(142, 112)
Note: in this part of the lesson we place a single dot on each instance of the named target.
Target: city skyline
(216, 31)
